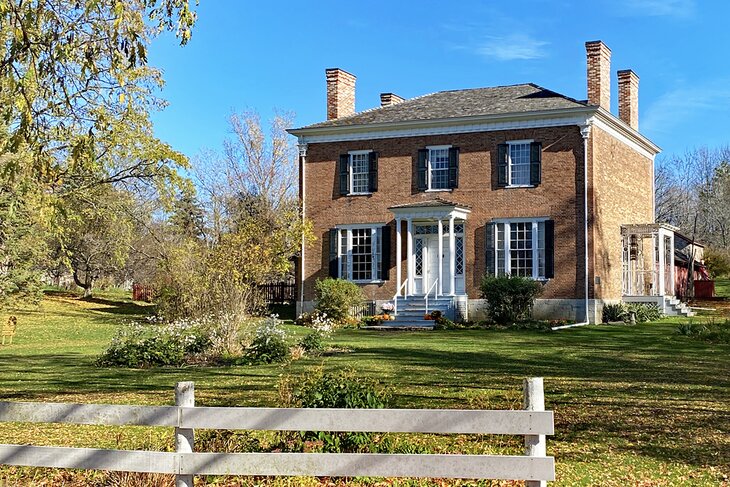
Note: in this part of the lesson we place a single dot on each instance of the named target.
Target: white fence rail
(534, 423)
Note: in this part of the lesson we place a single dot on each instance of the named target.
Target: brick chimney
(628, 98)
(599, 74)
(388, 99)
(340, 93)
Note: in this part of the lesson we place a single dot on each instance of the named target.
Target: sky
(268, 56)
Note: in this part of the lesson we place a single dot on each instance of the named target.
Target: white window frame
(351, 175)
(430, 148)
(511, 143)
(535, 246)
(375, 253)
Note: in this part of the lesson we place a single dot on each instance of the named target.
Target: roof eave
(441, 122)
(624, 128)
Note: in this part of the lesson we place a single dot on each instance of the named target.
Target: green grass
(722, 287)
(634, 405)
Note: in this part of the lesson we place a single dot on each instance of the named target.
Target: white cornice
(581, 117)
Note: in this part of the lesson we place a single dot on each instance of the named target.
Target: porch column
(398, 256)
(452, 257)
(659, 246)
(440, 289)
(671, 267)
(409, 258)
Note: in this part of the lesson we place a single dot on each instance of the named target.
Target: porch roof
(436, 208)
(646, 228)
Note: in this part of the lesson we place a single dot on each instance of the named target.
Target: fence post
(184, 437)
(535, 445)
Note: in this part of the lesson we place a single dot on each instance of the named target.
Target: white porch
(648, 259)
(434, 249)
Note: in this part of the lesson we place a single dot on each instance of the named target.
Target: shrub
(337, 297)
(269, 343)
(509, 298)
(156, 343)
(613, 312)
(712, 331)
(622, 312)
(644, 312)
(717, 262)
(344, 389)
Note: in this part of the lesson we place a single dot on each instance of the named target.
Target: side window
(519, 164)
(358, 172)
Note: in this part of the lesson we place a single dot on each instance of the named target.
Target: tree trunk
(86, 284)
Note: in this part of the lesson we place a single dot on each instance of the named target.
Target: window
(438, 162)
(520, 248)
(358, 172)
(438, 168)
(519, 164)
(359, 252)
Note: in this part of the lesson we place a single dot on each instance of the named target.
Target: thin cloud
(658, 8)
(679, 106)
(512, 47)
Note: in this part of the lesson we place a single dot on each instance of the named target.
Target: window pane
(360, 167)
(439, 161)
(519, 164)
(459, 266)
(362, 254)
(344, 274)
(521, 249)
(540, 249)
(418, 249)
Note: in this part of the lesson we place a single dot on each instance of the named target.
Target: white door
(431, 258)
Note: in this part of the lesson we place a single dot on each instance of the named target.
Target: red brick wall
(622, 194)
(560, 197)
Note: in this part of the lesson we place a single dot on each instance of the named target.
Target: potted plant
(387, 309)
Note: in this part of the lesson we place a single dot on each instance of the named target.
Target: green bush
(622, 312)
(344, 389)
(314, 343)
(156, 343)
(337, 297)
(713, 331)
(717, 262)
(613, 312)
(510, 299)
(269, 344)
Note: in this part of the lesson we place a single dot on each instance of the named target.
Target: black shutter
(334, 260)
(549, 249)
(535, 163)
(454, 167)
(344, 173)
(502, 165)
(373, 171)
(385, 253)
(422, 169)
(489, 245)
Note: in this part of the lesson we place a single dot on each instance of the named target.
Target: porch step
(674, 307)
(412, 309)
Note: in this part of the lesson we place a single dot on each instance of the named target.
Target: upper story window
(519, 164)
(358, 172)
(522, 247)
(438, 168)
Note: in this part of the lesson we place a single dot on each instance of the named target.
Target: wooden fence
(534, 423)
(278, 292)
(140, 292)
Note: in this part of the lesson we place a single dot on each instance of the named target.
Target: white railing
(534, 423)
(397, 294)
(435, 293)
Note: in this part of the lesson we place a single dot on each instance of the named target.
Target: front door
(426, 250)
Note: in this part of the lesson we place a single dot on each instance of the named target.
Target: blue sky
(272, 55)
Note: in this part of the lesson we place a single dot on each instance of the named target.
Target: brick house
(422, 197)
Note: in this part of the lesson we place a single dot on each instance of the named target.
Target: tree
(75, 98)
(99, 237)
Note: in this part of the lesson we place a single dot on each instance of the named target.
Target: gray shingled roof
(461, 103)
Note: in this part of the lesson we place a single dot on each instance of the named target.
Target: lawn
(634, 405)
